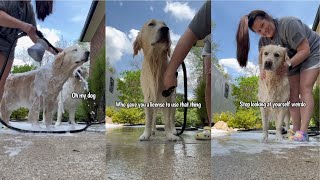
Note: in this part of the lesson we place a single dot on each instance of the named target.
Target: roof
(96, 13)
(316, 20)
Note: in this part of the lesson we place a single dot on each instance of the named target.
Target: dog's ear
(260, 56)
(59, 59)
(137, 45)
(286, 56)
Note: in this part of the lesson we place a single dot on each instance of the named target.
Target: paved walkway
(129, 158)
(48, 156)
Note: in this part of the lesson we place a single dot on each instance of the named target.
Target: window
(111, 85)
(226, 90)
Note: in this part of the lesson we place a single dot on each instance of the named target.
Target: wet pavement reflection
(129, 158)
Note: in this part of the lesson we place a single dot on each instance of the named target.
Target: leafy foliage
(315, 115)
(23, 68)
(129, 87)
(129, 116)
(245, 89)
(200, 98)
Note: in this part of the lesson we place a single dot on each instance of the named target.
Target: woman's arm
(303, 52)
(8, 21)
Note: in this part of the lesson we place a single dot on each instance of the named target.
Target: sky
(226, 16)
(65, 23)
(126, 18)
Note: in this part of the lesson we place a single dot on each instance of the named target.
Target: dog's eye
(266, 53)
(151, 24)
(276, 55)
(74, 50)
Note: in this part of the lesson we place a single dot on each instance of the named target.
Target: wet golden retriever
(273, 89)
(154, 40)
(75, 84)
(40, 87)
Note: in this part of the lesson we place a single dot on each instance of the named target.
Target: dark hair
(242, 37)
(43, 9)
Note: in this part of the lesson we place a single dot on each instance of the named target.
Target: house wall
(218, 100)
(97, 42)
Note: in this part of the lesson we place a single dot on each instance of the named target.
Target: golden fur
(40, 87)
(154, 40)
(274, 88)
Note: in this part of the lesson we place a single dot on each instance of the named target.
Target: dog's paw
(264, 140)
(35, 126)
(172, 137)
(144, 137)
(57, 124)
(154, 132)
(50, 126)
(279, 138)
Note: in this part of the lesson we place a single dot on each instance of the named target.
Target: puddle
(250, 142)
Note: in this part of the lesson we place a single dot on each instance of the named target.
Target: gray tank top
(290, 32)
(19, 10)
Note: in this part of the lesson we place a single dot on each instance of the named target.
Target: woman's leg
(207, 66)
(294, 82)
(5, 73)
(308, 78)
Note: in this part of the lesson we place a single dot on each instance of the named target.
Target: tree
(129, 87)
(245, 89)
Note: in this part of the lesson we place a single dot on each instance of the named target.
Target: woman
(16, 17)
(199, 28)
(303, 67)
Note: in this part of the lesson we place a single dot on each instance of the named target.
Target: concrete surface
(129, 158)
(242, 156)
(48, 156)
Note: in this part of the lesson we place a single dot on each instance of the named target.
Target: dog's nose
(268, 65)
(164, 30)
(86, 55)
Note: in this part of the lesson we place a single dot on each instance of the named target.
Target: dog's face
(71, 57)
(154, 34)
(271, 57)
(80, 71)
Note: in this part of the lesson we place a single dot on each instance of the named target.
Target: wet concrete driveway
(243, 156)
(129, 158)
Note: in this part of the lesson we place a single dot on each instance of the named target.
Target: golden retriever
(40, 87)
(273, 89)
(75, 84)
(154, 40)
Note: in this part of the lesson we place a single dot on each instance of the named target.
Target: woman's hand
(262, 75)
(29, 29)
(169, 79)
(283, 69)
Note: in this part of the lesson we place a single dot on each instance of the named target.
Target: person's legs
(206, 134)
(207, 66)
(294, 82)
(5, 73)
(308, 78)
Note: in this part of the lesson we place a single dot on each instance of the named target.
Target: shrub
(129, 116)
(315, 115)
(110, 111)
(19, 114)
(247, 118)
(200, 98)
(224, 116)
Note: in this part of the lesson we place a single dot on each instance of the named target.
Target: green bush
(225, 117)
(200, 98)
(192, 117)
(315, 115)
(19, 114)
(129, 116)
(110, 111)
(247, 118)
